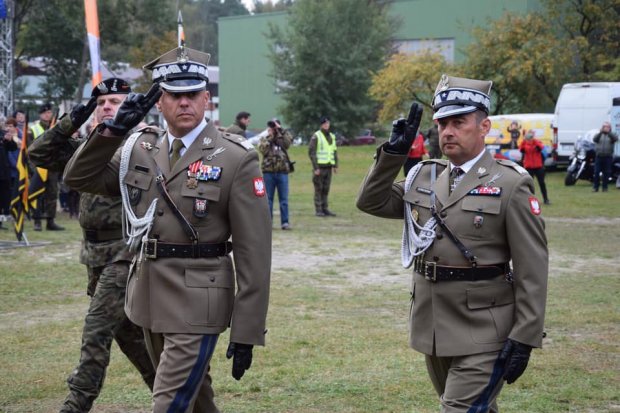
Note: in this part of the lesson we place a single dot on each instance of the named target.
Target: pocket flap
(208, 277)
(485, 204)
(491, 296)
(204, 190)
(138, 179)
(418, 198)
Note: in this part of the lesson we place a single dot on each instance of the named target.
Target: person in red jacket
(416, 152)
(532, 148)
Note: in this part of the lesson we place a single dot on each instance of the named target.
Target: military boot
(37, 225)
(52, 226)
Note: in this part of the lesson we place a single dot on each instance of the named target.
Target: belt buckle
(433, 277)
(152, 242)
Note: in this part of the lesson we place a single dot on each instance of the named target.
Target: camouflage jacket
(100, 216)
(274, 151)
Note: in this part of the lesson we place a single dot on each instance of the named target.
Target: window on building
(443, 46)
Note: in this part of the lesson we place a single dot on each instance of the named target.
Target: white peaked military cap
(459, 96)
(181, 70)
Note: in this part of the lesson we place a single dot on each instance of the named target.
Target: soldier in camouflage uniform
(105, 254)
(275, 167)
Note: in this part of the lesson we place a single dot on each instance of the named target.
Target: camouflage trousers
(106, 320)
(322, 182)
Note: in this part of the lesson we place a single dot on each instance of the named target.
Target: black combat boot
(52, 226)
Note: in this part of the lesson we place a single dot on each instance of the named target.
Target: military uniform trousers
(183, 383)
(106, 320)
(466, 384)
(48, 200)
(322, 182)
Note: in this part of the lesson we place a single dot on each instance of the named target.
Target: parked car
(365, 137)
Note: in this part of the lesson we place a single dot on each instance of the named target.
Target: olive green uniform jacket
(100, 215)
(191, 295)
(453, 318)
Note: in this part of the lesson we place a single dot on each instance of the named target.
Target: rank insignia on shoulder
(424, 190)
(259, 187)
(534, 205)
(486, 191)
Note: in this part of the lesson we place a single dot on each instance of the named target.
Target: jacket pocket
(491, 312)
(479, 217)
(211, 293)
(198, 200)
(138, 183)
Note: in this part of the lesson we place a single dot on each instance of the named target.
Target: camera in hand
(271, 124)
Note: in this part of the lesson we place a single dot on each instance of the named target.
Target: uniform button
(160, 212)
(443, 214)
(212, 279)
(435, 258)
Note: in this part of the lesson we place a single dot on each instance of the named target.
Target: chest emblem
(146, 145)
(219, 150)
(203, 172)
(486, 191)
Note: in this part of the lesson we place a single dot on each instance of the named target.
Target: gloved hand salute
(80, 113)
(515, 357)
(404, 131)
(132, 111)
(242, 358)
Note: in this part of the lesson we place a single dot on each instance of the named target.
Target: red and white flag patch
(534, 205)
(259, 187)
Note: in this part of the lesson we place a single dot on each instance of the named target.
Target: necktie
(455, 177)
(177, 145)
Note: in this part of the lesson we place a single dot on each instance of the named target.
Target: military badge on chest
(199, 171)
(201, 207)
(134, 195)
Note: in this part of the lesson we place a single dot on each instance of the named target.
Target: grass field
(337, 338)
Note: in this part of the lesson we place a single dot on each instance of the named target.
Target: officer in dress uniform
(186, 193)
(466, 218)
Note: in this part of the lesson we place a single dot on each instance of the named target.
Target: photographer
(275, 167)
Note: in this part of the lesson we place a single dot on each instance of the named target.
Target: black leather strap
(187, 227)
(434, 273)
(156, 249)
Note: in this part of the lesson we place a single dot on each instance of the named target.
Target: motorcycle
(581, 162)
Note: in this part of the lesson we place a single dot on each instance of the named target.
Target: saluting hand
(80, 113)
(132, 111)
(404, 131)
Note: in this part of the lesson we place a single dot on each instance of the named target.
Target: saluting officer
(104, 252)
(474, 317)
(185, 194)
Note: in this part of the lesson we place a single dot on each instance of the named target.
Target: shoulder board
(239, 140)
(221, 129)
(150, 129)
(443, 162)
(513, 165)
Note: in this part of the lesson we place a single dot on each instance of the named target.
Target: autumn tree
(324, 59)
(524, 58)
(407, 78)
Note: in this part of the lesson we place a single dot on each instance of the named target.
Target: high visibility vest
(325, 151)
(37, 130)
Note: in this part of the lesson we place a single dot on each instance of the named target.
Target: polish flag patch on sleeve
(259, 187)
(534, 205)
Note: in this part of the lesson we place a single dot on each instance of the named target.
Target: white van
(581, 107)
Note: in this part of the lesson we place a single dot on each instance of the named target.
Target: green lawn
(337, 338)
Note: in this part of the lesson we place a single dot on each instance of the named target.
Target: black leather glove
(132, 111)
(80, 113)
(242, 358)
(404, 131)
(514, 356)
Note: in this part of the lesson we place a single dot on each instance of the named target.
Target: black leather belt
(156, 249)
(433, 272)
(101, 235)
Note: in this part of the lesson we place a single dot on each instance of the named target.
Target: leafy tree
(150, 48)
(200, 22)
(324, 59)
(527, 64)
(407, 78)
(591, 34)
(271, 6)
